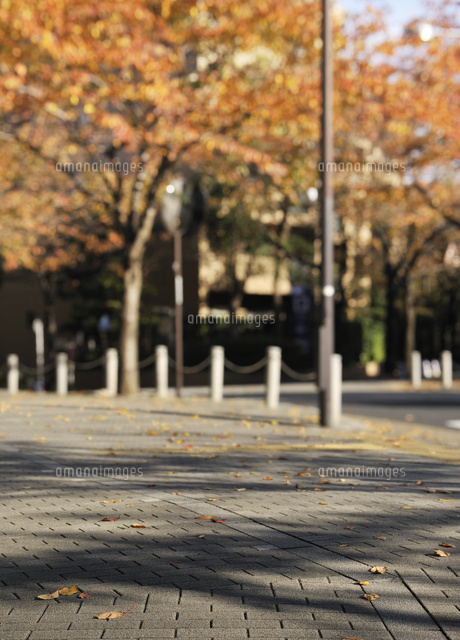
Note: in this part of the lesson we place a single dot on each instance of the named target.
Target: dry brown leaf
(441, 554)
(111, 615)
(370, 596)
(445, 544)
(83, 595)
(218, 519)
(205, 517)
(109, 519)
(49, 596)
(378, 569)
(268, 478)
(344, 545)
(350, 528)
(138, 526)
(322, 502)
(430, 491)
(419, 482)
(363, 582)
(379, 538)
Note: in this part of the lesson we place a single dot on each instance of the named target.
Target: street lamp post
(326, 329)
(179, 300)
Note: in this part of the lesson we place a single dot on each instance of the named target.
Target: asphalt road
(434, 408)
(384, 400)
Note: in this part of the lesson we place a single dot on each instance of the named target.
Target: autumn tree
(151, 85)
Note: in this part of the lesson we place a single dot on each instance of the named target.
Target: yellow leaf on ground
(441, 553)
(110, 501)
(68, 591)
(363, 582)
(49, 596)
(370, 596)
(445, 544)
(408, 507)
(138, 526)
(110, 615)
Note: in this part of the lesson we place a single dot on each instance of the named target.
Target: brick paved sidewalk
(282, 556)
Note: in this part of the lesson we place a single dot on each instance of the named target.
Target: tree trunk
(132, 285)
(390, 320)
(48, 287)
(411, 320)
(130, 328)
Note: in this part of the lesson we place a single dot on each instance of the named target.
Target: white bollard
(446, 369)
(13, 373)
(111, 372)
(62, 374)
(336, 389)
(217, 373)
(416, 369)
(272, 398)
(161, 368)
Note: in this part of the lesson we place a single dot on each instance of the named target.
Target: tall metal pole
(326, 330)
(179, 299)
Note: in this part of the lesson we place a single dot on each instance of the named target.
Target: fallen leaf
(110, 501)
(268, 478)
(239, 489)
(370, 596)
(344, 545)
(440, 553)
(318, 489)
(110, 615)
(419, 482)
(445, 544)
(408, 507)
(430, 491)
(83, 595)
(378, 569)
(379, 538)
(446, 499)
(109, 519)
(350, 528)
(138, 526)
(205, 517)
(218, 520)
(200, 536)
(363, 582)
(69, 591)
(322, 502)
(49, 596)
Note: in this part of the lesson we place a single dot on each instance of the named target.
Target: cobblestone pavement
(299, 517)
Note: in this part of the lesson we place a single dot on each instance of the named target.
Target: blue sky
(400, 11)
